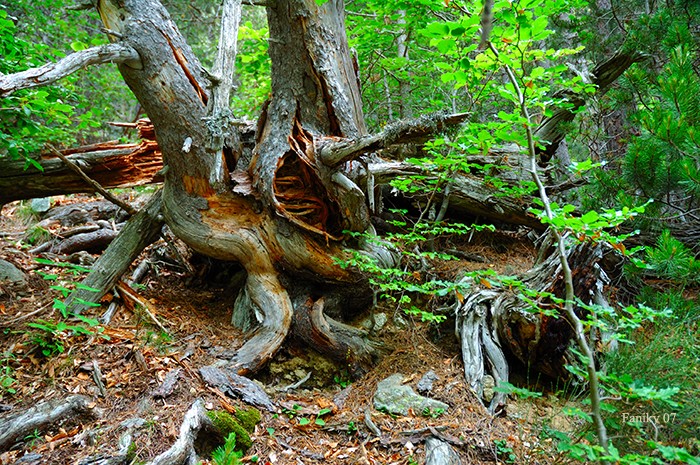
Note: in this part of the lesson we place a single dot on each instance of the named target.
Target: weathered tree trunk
(283, 216)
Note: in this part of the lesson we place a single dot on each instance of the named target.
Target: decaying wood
(50, 73)
(98, 379)
(140, 231)
(237, 386)
(492, 321)
(94, 241)
(198, 437)
(168, 385)
(109, 164)
(469, 195)
(438, 452)
(17, 426)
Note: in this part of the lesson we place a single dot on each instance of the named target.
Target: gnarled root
(265, 297)
(17, 426)
(195, 439)
(330, 337)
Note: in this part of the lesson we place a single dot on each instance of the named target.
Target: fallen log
(468, 195)
(94, 241)
(110, 164)
(38, 417)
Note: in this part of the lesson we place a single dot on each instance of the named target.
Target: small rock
(396, 398)
(132, 423)
(380, 320)
(9, 272)
(489, 384)
(425, 384)
(41, 205)
(438, 452)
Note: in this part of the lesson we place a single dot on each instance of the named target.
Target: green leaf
(590, 217)
(437, 29)
(87, 288)
(446, 45)
(78, 46)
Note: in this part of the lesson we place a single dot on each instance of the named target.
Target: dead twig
(128, 293)
(95, 185)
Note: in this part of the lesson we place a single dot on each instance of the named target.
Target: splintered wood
(299, 192)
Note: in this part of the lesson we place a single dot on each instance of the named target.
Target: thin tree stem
(571, 316)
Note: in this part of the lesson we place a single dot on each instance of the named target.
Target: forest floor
(134, 356)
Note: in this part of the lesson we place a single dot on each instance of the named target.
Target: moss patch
(243, 423)
(248, 418)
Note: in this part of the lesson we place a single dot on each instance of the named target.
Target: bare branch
(52, 72)
(334, 152)
(219, 115)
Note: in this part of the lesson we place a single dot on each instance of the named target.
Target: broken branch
(335, 152)
(52, 72)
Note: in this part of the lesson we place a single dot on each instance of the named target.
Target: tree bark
(17, 426)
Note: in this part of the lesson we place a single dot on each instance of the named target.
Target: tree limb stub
(39, 416)
(603, 76)
(52, 72)
(219, 118)
(335, 152)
